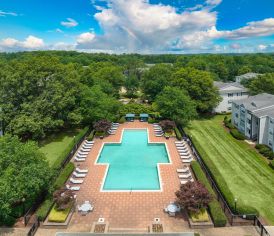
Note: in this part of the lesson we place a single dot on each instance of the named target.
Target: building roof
(261, 104)
(230, 86)
(247, 75)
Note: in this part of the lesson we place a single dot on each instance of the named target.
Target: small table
(173, 208)
(86, 207)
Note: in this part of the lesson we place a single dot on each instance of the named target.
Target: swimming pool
(133, 163)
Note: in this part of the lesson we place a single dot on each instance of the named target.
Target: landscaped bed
(200, 216)
(58, 216)
(238, 169)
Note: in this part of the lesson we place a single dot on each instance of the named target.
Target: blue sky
(181, 26)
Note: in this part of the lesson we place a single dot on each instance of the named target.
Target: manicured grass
(54, 145)
(238, 169)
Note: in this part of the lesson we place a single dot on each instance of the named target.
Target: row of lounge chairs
(185, 175)
(158, 131)
(78, 174)
(183, 151)
(84, 151)
(113, 129)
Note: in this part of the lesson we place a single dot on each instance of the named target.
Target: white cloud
(235, 46)
(30, 43)
(262, 47)
(4, 13)
(85, 38)
(69, 23)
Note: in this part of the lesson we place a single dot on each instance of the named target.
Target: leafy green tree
(131, 85)
(199, 86)
(262, 84)
(97, 105)
(175, 104)
(24, 174)
(155, 80)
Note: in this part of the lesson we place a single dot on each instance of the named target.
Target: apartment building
(229, 92)
(254, 117)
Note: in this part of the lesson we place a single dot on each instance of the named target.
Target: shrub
(62, 178)
(58, 216)
(151, 120)
(91, 135)
(259, 146)
(236, 134)
(100, 133)
(178, 133)
(264, 150)
(271, 164)
(216, 212)
(122, 120)
(44, 208)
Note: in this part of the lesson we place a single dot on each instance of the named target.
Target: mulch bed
(157, 228)
(99, 228)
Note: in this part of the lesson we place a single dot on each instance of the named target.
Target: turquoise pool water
(133, 163)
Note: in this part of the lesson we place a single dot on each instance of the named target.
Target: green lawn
(236, 165)
(55, 144)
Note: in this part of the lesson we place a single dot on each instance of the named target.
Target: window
(271, 121)
(248, 121)
(236, 115)
(229, 108)
(270, 143)
(229, 102)
(230, 94)
(270, 132)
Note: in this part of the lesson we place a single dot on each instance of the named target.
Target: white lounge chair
(76, 181)
(184, 170)
(185, 176)
(81, 170)
(79, 175)
(109, 132)
(187, 160)
(185, 181)
(81, 155)
(78, 159)
(73, 188)
(181, 148)
(178, 142)
(83, 152)
(113, 123)
(184, 153)
(89, 142)
(185, 157)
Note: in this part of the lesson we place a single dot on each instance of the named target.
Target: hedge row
(178, 133)
(236, 134)
(265, 151)
(59, 182)
(216, 212)
(57, 164)
(221, 183)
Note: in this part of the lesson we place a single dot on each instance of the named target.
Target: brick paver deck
(124, 209)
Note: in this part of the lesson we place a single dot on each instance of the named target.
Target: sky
(138, 26)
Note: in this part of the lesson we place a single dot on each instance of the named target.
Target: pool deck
(129, 210)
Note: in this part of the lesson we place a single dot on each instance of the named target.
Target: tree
(175, 104)
(96, 105)
(102, 126)
(193, 196)
(131, 85)
(262, 84)
(63, 199)
(24, 174)
(199, 85)
(167, 125)
(155, 80)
